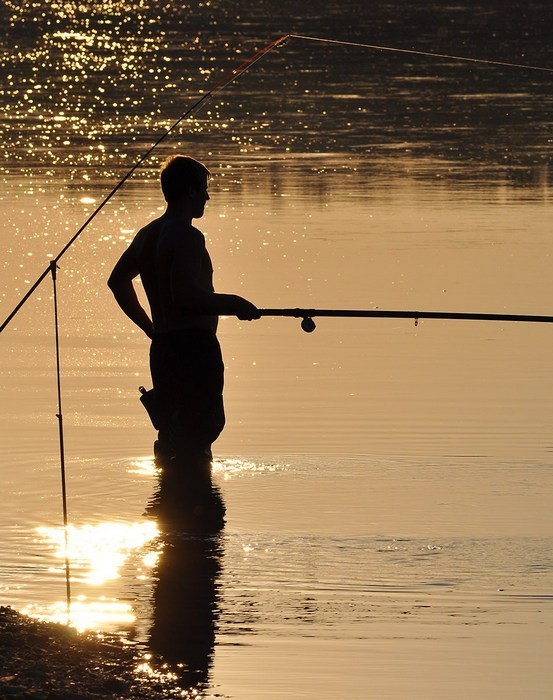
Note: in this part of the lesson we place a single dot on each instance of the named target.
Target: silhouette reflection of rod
(190, 513)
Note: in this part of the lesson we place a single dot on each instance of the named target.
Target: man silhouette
(170, 256)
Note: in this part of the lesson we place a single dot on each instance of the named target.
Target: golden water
(388, 486)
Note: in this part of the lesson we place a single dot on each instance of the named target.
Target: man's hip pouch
(150, 403)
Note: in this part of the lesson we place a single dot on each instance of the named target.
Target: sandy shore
(47, 661)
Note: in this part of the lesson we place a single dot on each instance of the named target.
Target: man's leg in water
(187, 371)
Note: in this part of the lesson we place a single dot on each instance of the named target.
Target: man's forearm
(212, 303)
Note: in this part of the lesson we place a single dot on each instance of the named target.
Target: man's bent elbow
(114, 282)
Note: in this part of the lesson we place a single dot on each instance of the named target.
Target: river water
(388, 485)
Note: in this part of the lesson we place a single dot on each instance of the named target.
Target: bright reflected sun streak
(99, 551)
(145, 466)
(231, 468)
(85, 614)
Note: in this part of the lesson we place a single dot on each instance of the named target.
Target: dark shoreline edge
(49, 661)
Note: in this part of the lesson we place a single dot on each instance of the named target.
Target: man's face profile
(199, 196)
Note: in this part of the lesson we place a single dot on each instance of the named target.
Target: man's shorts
(187, 373)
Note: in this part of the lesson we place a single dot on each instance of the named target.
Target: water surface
(388, 486)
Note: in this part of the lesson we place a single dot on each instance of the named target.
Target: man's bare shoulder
(151, 228)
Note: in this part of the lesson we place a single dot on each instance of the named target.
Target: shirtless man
(171, 258)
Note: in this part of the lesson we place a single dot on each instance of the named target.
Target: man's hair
(179, 173)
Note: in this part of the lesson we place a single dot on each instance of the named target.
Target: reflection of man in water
(171, 258)
(185, 607)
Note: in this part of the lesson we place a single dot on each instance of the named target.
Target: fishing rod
(223, 83)
(308, 325)
(229, 78)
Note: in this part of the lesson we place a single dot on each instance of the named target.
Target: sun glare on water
(86, 614)
(231, 468)
(99, 551)
(97, 554)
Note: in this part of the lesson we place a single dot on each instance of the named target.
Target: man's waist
(183, 332)
(190, 323)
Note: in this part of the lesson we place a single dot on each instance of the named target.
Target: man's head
(182, 176)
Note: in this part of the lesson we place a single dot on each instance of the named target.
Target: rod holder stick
(59, 416)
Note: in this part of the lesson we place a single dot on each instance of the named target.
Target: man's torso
(156, 253)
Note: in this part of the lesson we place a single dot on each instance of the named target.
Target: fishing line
(428, 54)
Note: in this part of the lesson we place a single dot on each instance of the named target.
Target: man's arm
(121, 284)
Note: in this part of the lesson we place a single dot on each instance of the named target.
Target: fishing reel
(308, 324)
